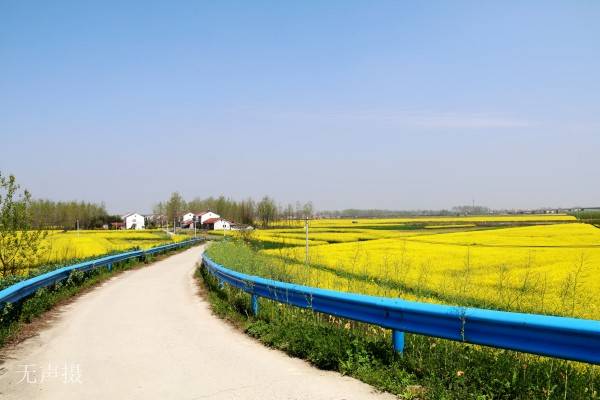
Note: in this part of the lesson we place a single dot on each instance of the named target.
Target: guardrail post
(109, 266)
(255, 305)
(398, 341)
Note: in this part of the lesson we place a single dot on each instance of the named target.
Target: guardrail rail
(27, 287)
(559, 337)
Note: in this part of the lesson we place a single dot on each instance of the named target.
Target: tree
(20, 246)
(308, 209)
(160, 215)
(246, 211)
(267, 211)
(48, 214)
(471, 210)
(175, 206)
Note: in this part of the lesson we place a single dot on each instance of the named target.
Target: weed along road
(147, 334)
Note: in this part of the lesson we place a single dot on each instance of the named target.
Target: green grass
(430, 368)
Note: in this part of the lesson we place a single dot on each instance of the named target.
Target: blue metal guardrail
(27, 287)
(567, 338)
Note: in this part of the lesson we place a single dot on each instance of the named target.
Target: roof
(204, 212)
(130, 214)
(215, 220)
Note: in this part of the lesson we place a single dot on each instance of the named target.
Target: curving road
(146, 334)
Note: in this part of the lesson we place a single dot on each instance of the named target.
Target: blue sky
(400, 105)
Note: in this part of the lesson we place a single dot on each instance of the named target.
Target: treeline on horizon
(66, 215)
(382, 213)
(454, 211)
(49, 214)
(265, 211)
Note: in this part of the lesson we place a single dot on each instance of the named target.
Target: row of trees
(380, 213)
(67, 214)
(266, 211)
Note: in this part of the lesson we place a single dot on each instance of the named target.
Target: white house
(206, 215)
(187, 217)
(217, 224)
(222, 225)
(134, 221)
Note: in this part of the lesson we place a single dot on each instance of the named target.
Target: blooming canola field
(60, 246)
(550, 266)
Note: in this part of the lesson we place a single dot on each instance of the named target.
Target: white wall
(187, 217)
(136, 220)
(208, 215)
(222, 224)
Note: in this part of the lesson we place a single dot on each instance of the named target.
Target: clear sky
(366, 104)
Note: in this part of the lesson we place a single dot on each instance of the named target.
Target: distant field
(60, 248)
(72, 244)
(326, 231)
(517, 218)
(550, 268)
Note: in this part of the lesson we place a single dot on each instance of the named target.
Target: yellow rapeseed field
(320, 236)
(61, 246)
(552, 269)
(517, 218)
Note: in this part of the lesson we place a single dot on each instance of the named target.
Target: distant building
(188, 217)
(206, 215)
(117, 225)
(241, 227)
(217, 224)
(134, 221)
(155, 220)
(189, 224)
(191, 220)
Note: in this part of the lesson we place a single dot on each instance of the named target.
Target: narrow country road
(146, 334)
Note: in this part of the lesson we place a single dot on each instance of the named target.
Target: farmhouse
(206, 220)
(217, 224)
(188, 217)
(134, 221)
(190, 220)
(206, 215)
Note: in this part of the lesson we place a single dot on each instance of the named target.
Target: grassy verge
(16, 317)
(430, 368)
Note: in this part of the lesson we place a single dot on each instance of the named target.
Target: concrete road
(146, 334)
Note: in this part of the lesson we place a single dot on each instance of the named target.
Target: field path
(146, 334)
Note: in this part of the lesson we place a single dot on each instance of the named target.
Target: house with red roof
(206, 215)
(217, 224)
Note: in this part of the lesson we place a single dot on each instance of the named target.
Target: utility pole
(306, 227)
(77, 228)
